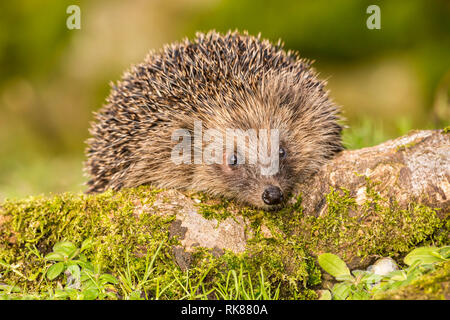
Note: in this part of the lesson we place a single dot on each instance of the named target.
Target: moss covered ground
(432, 286)
(279, 261)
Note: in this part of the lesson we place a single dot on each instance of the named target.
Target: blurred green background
(51, 79)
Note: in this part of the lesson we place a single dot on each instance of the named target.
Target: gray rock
(383, 266)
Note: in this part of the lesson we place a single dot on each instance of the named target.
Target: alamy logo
(254, 147)
(74, 20)
(374, 20)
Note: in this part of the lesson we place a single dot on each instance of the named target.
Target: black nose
(272, 195)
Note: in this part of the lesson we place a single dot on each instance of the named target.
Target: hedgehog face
(265, 184)
(262, 174)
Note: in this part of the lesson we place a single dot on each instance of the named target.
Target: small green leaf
(445, 252)
(66, 248)
(360, 295)
(398, 275)
(413, 266)
(55, 270)
(341, 291)
(105, 278)
(72, 262)
(89, 284)
(371, 278)
(54, 256)
(72, 293)
(86, 265)
(360, 273)
(345, 277)
(86, 276)
(333, 265)
(74, 271)
(90, 294)
(86, 244)
(425, 255)
(61, 294)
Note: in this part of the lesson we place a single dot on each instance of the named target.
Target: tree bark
(412, 168)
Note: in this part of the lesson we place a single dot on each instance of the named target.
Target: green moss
(286, 263)
(29, 229)
(124, 236)
(432, 286)
(446, 129)
(380, 227)
(282, 244)
(406, 146)
(288, 267)
(211, 208)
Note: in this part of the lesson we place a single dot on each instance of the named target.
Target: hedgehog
(214, 83)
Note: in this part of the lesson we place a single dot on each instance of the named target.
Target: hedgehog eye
(282, 153)
(232, 161)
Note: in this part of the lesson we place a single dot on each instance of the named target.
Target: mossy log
(412, 168)
(383, 187)
(379, 201)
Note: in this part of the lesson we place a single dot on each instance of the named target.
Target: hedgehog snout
(272, 195)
